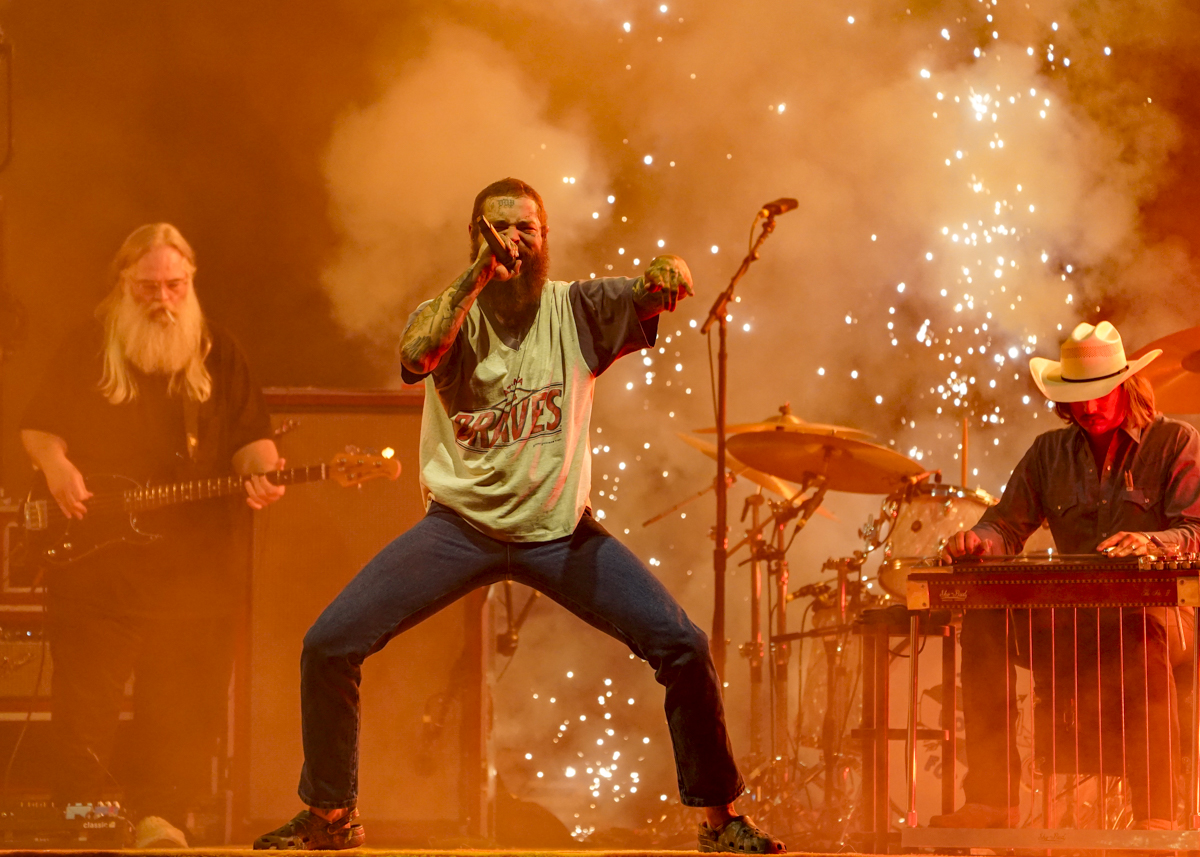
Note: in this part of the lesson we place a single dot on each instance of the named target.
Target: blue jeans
(443, 558)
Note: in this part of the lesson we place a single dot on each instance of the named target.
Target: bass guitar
(112, 511)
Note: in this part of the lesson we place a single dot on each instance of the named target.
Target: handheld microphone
(493, 239)
(779, 206)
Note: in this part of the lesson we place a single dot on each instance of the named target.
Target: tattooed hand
(666, 281)
(490, 267)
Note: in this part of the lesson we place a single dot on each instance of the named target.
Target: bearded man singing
(158, 394)
(509, 360)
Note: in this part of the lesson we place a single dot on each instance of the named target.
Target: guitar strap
(191, 425)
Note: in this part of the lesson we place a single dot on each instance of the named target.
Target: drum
(924, 518)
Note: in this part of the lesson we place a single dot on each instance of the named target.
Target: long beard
(524, 291)
(534, 270)
(156, 341)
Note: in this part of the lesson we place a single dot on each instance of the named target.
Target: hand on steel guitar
(1127, 544)
(968, 544)
(965, 544)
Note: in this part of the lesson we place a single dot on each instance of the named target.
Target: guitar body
(116, 502)
(59, 540)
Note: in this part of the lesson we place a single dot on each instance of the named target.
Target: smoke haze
(971, 179)
(324, 164)
(403, 170)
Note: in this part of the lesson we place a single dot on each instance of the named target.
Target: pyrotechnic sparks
(992, 283)
(603, 752)
(936, 246)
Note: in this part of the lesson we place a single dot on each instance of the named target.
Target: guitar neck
(158, 496)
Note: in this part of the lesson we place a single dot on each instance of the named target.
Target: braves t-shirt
(504, 432)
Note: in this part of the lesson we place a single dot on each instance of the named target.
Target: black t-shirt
(190, 568)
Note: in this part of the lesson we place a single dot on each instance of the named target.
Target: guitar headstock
(355, 468)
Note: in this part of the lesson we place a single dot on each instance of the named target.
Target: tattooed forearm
(432, 332)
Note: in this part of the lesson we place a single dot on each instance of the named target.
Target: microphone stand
(717, 315)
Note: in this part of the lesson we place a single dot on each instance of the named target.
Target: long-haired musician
(1120, 479)
(154, 392)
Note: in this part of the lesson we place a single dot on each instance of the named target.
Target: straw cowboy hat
(1093, 365)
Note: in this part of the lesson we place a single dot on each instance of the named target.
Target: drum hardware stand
(718, 315)
(836, 673)
(774, 554)
(781, 656)
(753, 650)
(840, 804)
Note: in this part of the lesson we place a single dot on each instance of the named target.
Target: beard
(156, 340)
(517, 294)
(535, 268)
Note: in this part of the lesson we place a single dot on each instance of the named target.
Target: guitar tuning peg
(352, 450)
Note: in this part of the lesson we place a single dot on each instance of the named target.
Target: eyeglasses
(150, 288)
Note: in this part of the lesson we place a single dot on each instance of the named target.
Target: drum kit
(798, 462)
(788, 456)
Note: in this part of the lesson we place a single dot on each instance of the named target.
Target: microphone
(779, 206)
(499, 249)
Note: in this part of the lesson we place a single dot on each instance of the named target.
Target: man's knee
(325, 641)
(688, 649)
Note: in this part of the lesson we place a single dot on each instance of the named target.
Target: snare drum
(924, 518)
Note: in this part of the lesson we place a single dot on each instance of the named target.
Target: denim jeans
(441, 559)
(181, 667)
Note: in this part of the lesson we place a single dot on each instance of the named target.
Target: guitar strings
(152, 499)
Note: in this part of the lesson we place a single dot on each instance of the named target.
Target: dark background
(124, 113)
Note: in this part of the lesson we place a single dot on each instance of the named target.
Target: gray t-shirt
(504, 433)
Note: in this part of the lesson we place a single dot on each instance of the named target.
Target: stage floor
(374, 852)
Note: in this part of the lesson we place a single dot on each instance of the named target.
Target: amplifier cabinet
(25, 668)
(425, 766)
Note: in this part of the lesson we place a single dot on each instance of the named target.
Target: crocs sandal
(309, 832)
(740, 836)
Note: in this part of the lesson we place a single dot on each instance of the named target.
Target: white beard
(157, 341)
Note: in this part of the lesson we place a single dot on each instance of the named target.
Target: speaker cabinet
(425, 756)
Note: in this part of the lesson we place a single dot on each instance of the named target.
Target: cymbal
(847, 464)
(771, 483)
(785, 420)
(1175, 374)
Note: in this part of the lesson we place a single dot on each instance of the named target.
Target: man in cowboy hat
(1121, 480)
